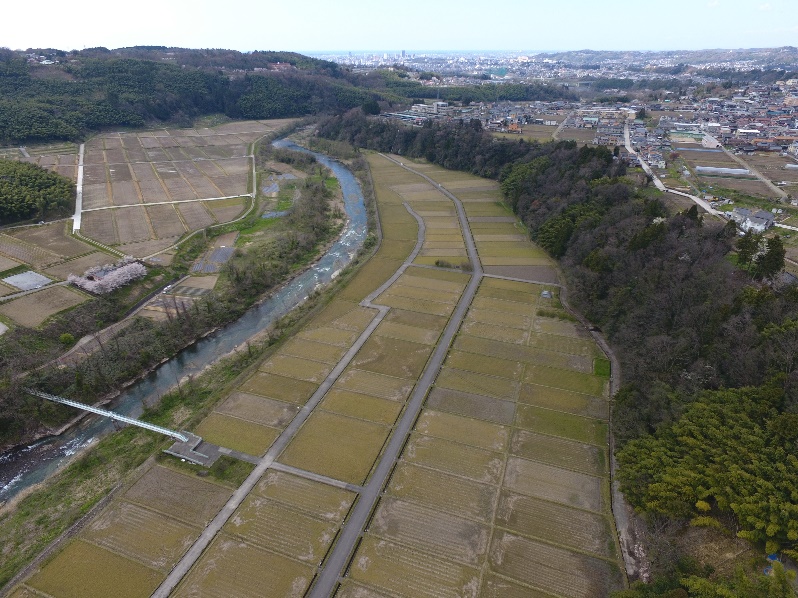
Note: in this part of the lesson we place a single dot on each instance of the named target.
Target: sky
(315, 26)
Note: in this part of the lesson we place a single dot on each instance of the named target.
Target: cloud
(713, 3)
(765, 7)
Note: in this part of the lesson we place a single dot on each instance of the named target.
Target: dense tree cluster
(707, 460)
(97, 91)
(214, 58)
(28, 191)
(461, 145)
(398, 82)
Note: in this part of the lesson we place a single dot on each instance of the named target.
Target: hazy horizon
(352, 25)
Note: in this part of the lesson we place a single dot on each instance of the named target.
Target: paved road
(184, 565)
(329, 575)
(76, 219)
(627, 142)
(703, 204)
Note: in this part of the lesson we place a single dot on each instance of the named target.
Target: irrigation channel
(23, 467)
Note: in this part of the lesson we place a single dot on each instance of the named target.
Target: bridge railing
(109, 414)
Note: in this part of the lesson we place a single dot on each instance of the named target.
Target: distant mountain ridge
(785, 57)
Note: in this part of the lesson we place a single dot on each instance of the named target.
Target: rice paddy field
(143, 191)
(501, 489)
(503, 486)
(128, 549)
(502, 242)
(46, 248)
(33, 309)
(58, 157)
(580, 135)
(772, 165)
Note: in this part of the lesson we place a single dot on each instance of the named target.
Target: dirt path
(626, 522)
(556, 134)
(779, 192)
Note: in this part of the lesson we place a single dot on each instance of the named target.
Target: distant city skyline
(359, 26)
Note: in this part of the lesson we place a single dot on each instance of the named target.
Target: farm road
(556, 134)
(268, 460)
(351, 531)
(76, 219)
(703, 204)
(163, 203)
(780, 192)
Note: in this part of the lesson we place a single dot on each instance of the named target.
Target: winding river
(29, 465)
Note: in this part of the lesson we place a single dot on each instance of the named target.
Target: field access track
(141, 192)
(433, 431)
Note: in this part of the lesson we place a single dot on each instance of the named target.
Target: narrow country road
(182, 568)
(351, 531)
(779, 192)
(703, 204)
(556, 134)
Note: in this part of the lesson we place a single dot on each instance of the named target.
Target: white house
(748, 220)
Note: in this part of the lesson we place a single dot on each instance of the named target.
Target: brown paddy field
(349, 458)
(747, 186)
(513, 435)
(132, 544)
(232, 567)
(33, 309)
(280, 529)
(582, 136)
(204, 170)
(502, 487)
(772, 166)
(84, 570)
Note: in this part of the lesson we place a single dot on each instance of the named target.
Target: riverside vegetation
(706, 423)
(279, 248)
(28, 527)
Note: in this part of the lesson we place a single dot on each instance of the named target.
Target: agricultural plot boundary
(388, 541)
(399, 553)
(209, 533)
(122, 180)
(351, 531)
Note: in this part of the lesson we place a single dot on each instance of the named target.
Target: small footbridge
(180, 436)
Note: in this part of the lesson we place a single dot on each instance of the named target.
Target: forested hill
(95, 89)
(706, 423)
(91, 91)
(217, 58)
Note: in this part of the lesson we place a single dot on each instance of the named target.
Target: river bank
(89, 462)
(193, 359)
